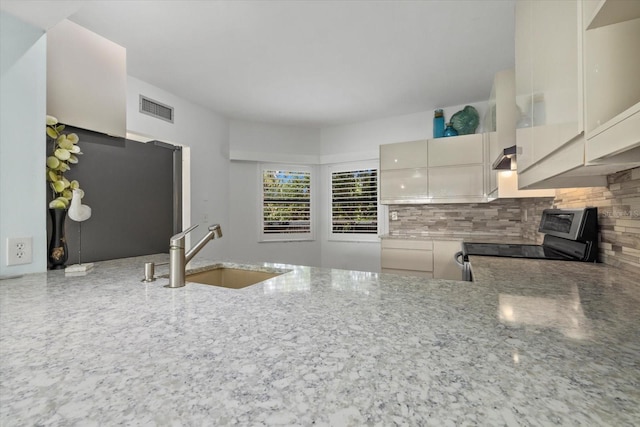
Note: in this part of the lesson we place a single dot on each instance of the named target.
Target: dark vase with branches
(64, 152)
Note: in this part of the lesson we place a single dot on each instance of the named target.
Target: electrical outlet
(19, 250)
(394, 215)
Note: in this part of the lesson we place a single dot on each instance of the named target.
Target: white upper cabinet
(608, 12)
(443, 170)
(457, 169)
(577, 90)
(457, 184)
(455, 151)
(506, 109)
(491, 140)
(403, 155)
(548, 78)
(403, 172)
(403, 186)
(612, 85)
(86, 79)
(508, 187)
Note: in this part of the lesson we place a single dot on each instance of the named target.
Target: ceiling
(303, 63)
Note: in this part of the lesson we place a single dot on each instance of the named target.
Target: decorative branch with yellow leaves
(64, 153)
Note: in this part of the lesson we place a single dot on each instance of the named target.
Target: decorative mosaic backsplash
(500, 216)
(618, 215)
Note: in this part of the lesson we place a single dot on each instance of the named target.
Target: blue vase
(438, 124)
(450, 131)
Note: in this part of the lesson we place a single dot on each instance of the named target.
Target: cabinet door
(494, 151)
(403, 155)
(444, 266)
(407, 257)
(549, 90)
(523, 57)
(556, 62)
(456, 182)
(403, 185)
(612, 88)
(458, 150)
(86, 79)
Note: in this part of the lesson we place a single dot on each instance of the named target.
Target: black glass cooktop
(514, 251)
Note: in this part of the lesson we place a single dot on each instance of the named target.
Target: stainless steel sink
(234, 278)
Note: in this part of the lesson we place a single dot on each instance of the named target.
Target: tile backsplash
(618, 215)
(502, 216)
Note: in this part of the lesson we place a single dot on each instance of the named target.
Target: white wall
(23, 206)
(207, 135)
(251, 143)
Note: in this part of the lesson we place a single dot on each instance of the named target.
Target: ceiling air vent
(156, 109)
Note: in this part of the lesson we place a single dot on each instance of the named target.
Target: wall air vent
(156, 109)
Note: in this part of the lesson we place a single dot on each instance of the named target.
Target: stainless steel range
(570, 235)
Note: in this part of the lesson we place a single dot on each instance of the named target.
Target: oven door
(465, 266)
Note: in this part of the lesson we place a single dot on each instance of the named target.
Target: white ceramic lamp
(79, 213)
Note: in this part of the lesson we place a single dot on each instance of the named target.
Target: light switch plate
(19, 250)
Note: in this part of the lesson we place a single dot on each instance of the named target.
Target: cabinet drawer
(459, 150)
(407, 259)
(403, 155)
(425, 245)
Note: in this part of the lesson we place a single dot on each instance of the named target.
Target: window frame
(286, 237)
(353, 237)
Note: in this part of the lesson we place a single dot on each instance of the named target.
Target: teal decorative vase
(450, 131)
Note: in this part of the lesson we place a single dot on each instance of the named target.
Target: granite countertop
(466, 237)
(324, 347)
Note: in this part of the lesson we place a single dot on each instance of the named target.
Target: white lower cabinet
(444, 265)
(408, 257)
(422, 258)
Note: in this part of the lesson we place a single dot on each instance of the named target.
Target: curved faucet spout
(178, 260)
(214, 231)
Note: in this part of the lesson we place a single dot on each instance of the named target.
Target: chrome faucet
(178, 260)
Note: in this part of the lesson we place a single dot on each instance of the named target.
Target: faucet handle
(217, 229)
(179, 238)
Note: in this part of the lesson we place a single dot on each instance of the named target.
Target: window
(354, 203)
(286, 203)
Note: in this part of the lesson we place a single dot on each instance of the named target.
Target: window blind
(286, 202)
(354, 201)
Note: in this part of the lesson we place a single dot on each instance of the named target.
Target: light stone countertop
(323, 347)
(466, 237)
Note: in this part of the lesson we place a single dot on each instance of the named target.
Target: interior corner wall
(23, 66)
(279, 144)
(273, 143)
(207, 135)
